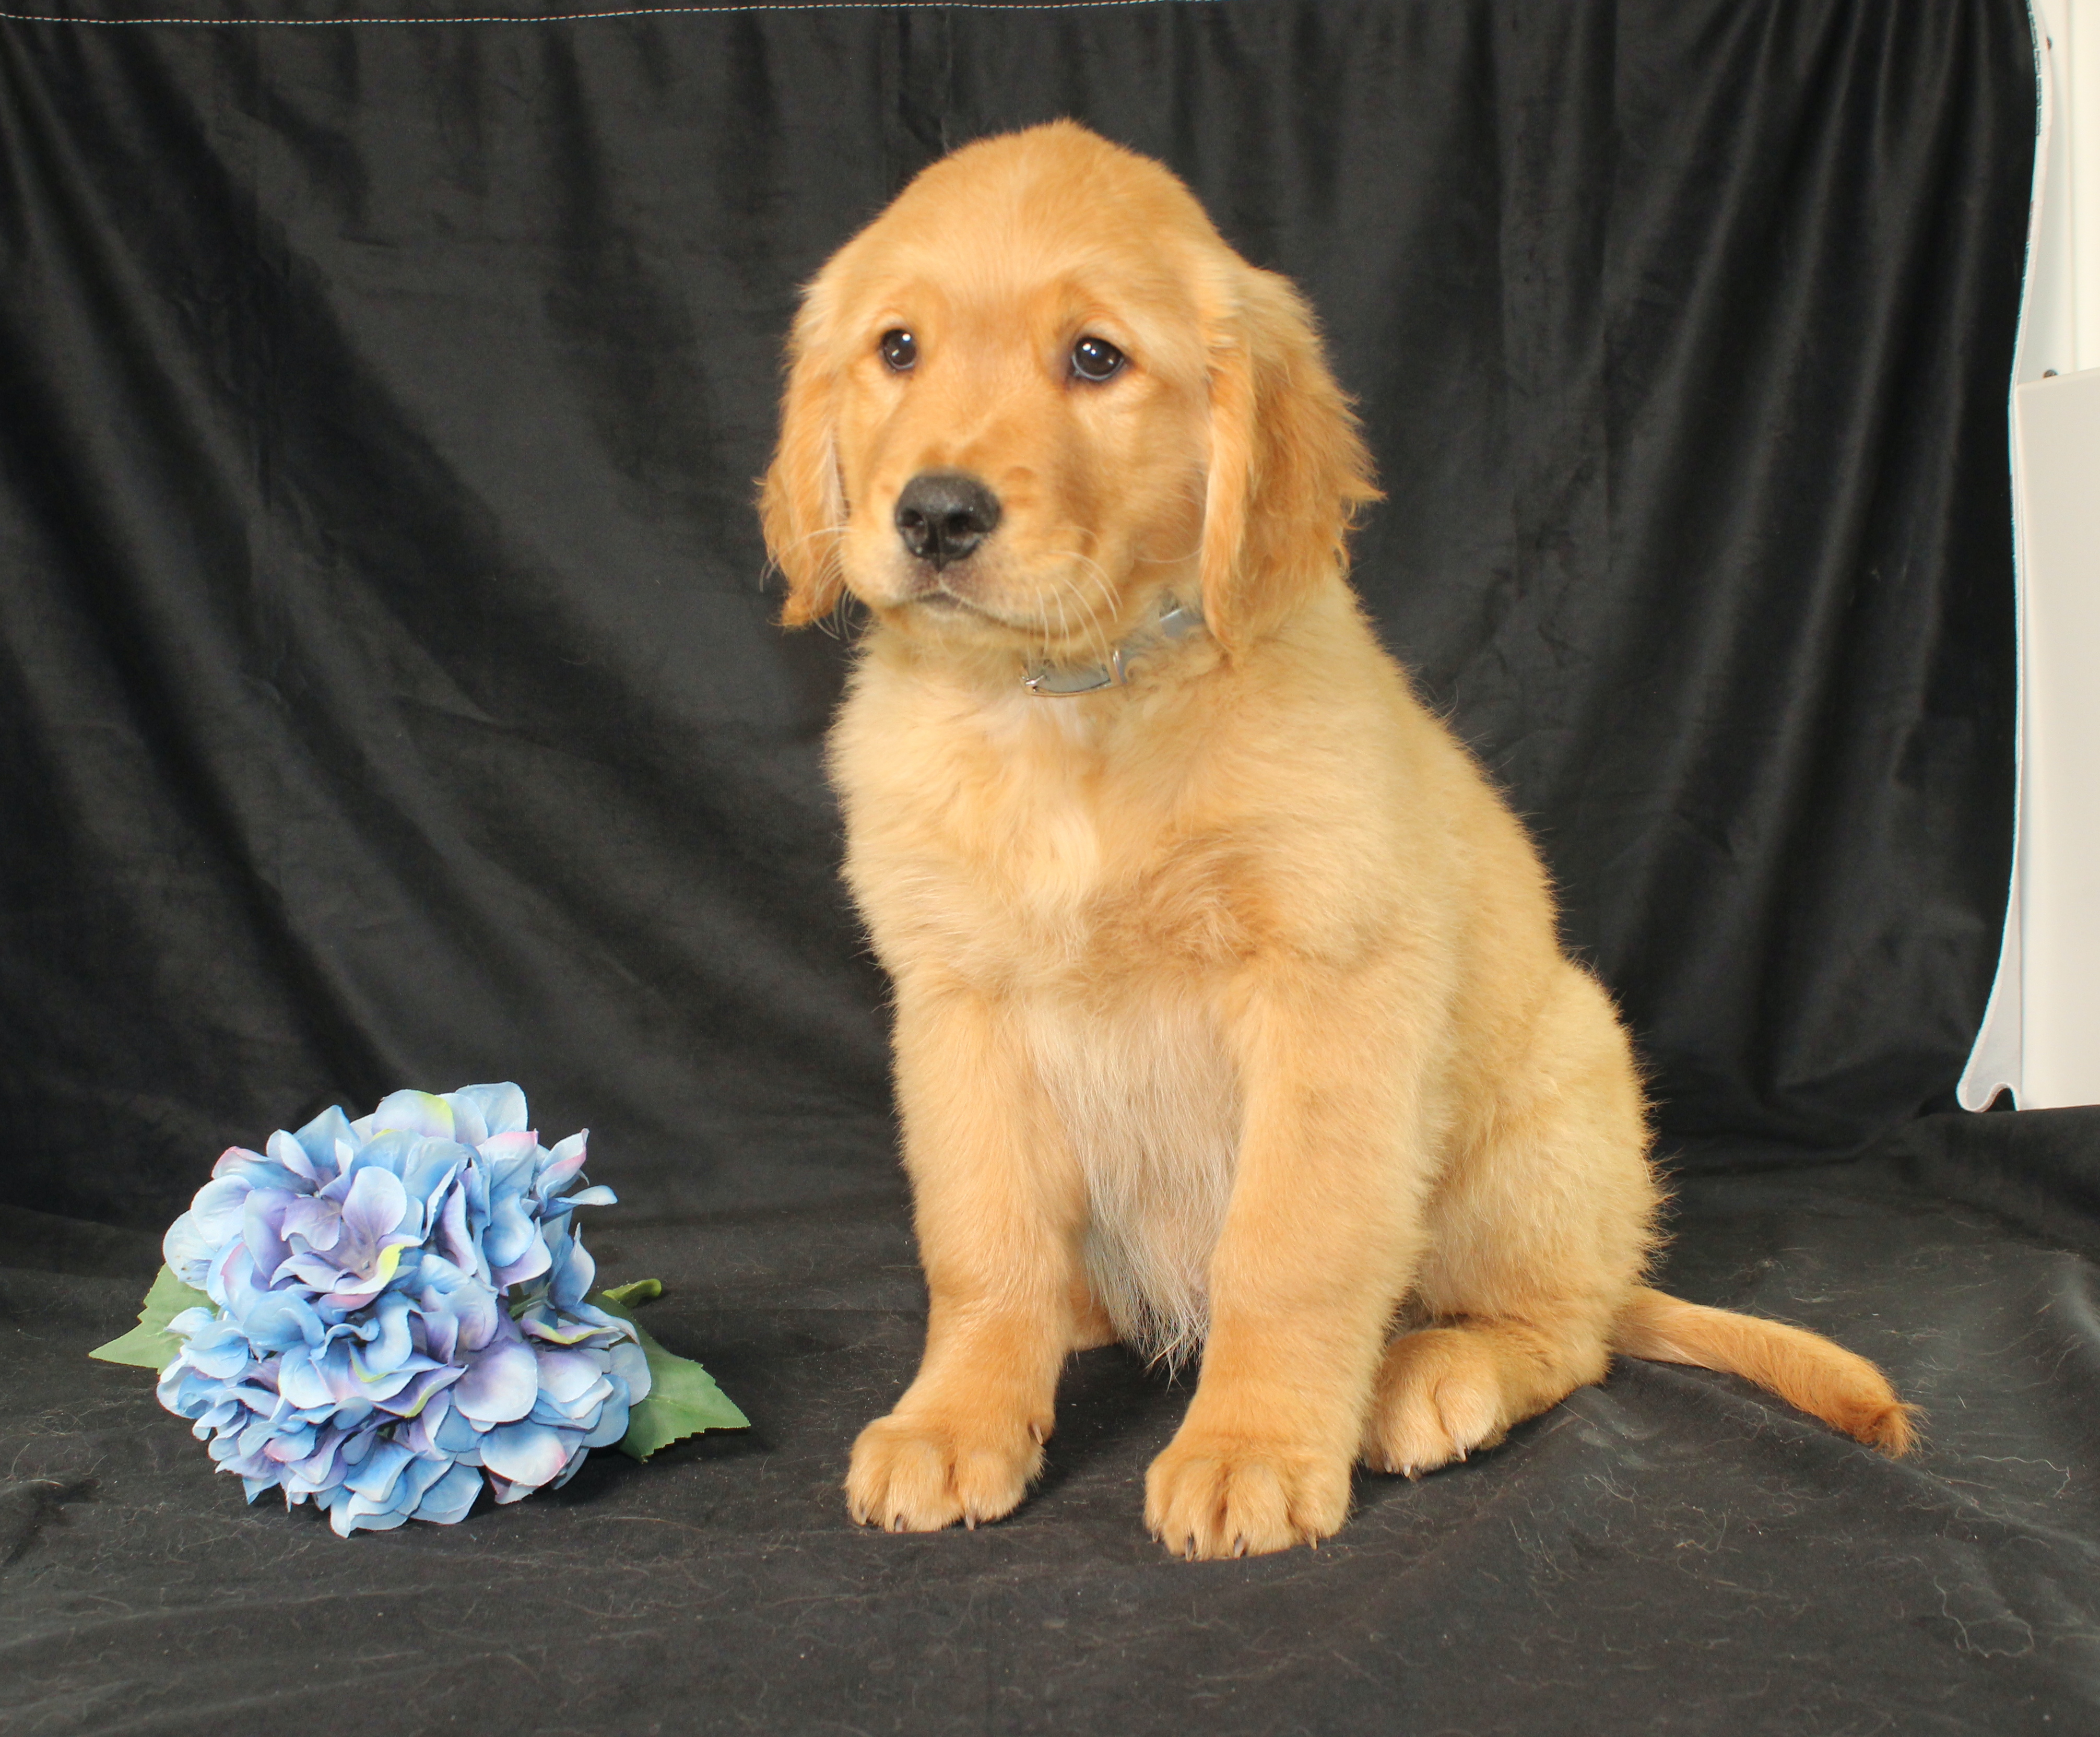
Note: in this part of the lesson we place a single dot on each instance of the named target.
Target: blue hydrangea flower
(399, 1312)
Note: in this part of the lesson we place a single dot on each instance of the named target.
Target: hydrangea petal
(501, 1384)
(428, 1169)
(457, 1436)
(285, 1149)
(321, 1137)
(374, 1207)
(527, 1454)
(578, 1452)
(583, 1416)
(350, 1512)
(565, 1161)
(558, 1329)
(511, 1231)
(612, 1420)
(501, 1106)
(387, 1345)
(417, 1478)
(351, 1293)
(449, 1232)
(424, 1384)
(446, 1501)
(215, 1213)
(188, 1250)
(473, 1304)
(630, 1364)
(566, 1375)
(414, 1112)
(290, 1446)
(278, 1320)
(236, 1163)
(575, 1413)
(220, 1348)
(262, 1216)
(575, 1273)
(468, 1128)
(534, 1262)
(375, 1473)
(315, 1219)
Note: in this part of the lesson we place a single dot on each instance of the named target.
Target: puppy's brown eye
(900, 349)
(1095, 358)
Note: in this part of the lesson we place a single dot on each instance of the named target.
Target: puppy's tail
(1808, 1372)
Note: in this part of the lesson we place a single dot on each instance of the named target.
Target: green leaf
(683, 1398)
(148, 1345)
(641, 1290)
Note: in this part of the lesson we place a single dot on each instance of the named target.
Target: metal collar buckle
(1047, 682)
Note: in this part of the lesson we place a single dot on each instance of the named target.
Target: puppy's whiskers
(811, 536)
(1096, 637)
(846, 621)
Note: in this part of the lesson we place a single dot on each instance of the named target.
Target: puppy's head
(1039, 391)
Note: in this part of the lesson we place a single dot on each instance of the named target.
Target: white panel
(2056, 460)
(2079, 68)
(2045, 344)
(2048, 310)
(2059, 335)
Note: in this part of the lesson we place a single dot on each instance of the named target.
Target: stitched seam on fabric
(641, 11)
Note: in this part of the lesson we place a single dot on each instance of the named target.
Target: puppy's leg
(998, 1204)
(1538, 1233)
(1322, 1229)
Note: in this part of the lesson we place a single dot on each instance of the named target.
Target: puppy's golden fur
(1229, 1008)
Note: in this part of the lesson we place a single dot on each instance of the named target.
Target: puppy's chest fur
(1064, 884)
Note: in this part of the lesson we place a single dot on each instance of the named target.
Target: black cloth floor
(1671, 1552)
(388, 697)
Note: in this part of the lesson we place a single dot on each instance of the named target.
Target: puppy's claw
(1039, 1433)
(1239, 1544)
(969, 1522)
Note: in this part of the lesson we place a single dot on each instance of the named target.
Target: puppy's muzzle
(943, 515)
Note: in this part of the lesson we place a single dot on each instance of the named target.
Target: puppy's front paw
(1227, 1495)
(922, 1472)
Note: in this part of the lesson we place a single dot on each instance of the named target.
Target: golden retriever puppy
(1229, 1008)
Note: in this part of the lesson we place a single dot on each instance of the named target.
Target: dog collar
(1048, 682)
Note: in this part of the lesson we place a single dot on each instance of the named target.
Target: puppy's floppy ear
(800, 505)
(1288, 467)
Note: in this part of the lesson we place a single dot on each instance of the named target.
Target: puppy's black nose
(944, 514)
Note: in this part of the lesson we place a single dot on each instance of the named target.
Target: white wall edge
(1994, 1062)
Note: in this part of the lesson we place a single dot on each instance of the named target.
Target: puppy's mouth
(943, 602)
(942, 595)
(1048, 616)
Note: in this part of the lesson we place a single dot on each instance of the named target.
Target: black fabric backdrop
(391, 699)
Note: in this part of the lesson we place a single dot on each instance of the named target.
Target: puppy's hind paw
(1439, 1398)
